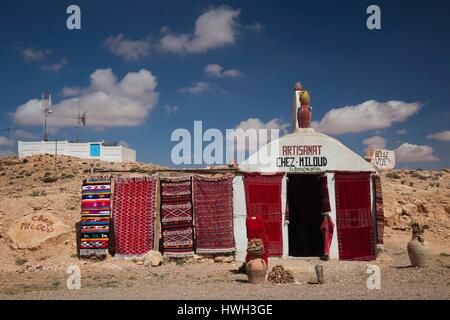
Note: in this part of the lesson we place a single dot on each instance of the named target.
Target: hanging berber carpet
(213, 205)
(133, 216)
(176, 217)
(95, 215)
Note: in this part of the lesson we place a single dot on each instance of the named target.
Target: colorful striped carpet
(95, 214)
(176, 217)
(133, 216)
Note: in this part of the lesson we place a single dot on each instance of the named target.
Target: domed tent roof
(305, 151)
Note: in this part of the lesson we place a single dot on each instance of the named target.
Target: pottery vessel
(419, 252)
(256, 271)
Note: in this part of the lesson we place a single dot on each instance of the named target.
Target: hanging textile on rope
(327, 229)
(133, 216)
(255, 230)
(379, 209)
(354, 217)
(213, 206)
(263, 198)
(176, 217)
(95, 215)
(327, 226)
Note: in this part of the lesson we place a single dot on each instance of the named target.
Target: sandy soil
(117, 279)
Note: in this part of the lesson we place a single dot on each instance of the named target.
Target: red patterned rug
(213, 205)
(133, 215)
(354, 217)
(176, 217)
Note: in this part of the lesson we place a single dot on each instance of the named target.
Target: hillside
(28, 186)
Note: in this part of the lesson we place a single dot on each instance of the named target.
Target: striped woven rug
(176, 217)
(95, 215)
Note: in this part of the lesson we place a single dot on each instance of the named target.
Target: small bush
(393, 175)
(21, 261)
(49, 179)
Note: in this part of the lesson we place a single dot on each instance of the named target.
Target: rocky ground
(37, 186)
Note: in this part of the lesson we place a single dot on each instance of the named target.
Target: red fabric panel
(325, 195)
(327, 231)
(263, 198)
(354, 218)
(255, 229)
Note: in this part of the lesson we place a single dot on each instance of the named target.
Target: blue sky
(394, 82)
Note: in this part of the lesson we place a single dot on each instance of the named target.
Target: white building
(85, 150)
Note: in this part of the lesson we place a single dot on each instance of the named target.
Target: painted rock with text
(34, 229)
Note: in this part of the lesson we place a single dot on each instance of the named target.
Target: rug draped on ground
(176, 217)
(263, 198)
(213, 203)
(95, 215)
(133, 216)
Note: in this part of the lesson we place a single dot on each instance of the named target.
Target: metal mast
(46, 104)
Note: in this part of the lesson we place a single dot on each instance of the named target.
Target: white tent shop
(320, 179)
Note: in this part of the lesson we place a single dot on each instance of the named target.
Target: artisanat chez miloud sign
(302, 158)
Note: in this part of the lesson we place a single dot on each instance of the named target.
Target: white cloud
(413, 153)
(107, 102)
(198, 88)
(171, 109)
(375, 142)
(25, 134)
(215, 28)
(255, 123)
(130, 50)
(71, 91)
(54, 67)
(216, 70)
(255, 27)
(402, 131)
(443, 136)
(4, 141)
(31, 54)
(369, 115)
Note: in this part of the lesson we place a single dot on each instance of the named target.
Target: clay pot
(304, 116)
(256, 271)
(419, 252)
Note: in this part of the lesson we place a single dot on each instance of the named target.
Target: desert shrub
(393, 175)
(49, 179)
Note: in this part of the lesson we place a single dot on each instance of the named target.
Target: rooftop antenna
(81, 120)
(46, 104)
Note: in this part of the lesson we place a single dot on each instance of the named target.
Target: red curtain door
(263, 198)
(354, 216)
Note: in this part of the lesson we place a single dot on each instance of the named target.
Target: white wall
(334, 248)
(284, 223)
(79, 150)
(239, 218)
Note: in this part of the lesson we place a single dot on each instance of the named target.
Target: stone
(409, 209)
(153, 258)
(34, 229)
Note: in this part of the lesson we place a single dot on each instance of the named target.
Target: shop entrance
(305, 215)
